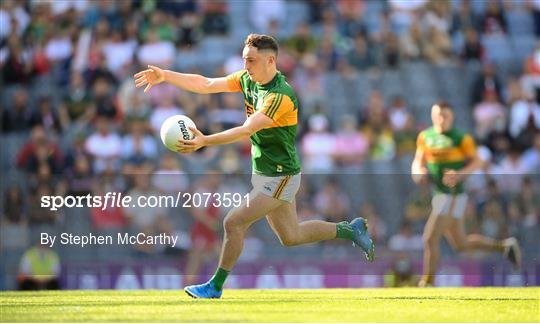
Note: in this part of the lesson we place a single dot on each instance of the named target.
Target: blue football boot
(205, 290)
(362, 239)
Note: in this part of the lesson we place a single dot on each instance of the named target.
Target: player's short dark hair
(443, 105)
(262, 42)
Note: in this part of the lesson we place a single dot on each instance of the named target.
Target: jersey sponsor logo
(439, 142)
(249, 110)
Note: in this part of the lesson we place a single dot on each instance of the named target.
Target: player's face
(442, 118)
(255, 63)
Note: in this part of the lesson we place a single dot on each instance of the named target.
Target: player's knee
(430, 240)
(288, 240)
(231, 225)
(460, 247)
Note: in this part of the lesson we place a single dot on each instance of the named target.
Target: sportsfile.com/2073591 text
(118, 199)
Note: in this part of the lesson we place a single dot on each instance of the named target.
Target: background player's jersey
(273, 149)
(448, 150)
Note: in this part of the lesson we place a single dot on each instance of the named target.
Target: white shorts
(442, 203)
(281, 187)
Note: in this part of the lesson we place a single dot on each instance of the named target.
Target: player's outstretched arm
(253, 124)
(190, 82)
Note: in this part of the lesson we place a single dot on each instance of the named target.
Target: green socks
(344, 231)
(219, 278)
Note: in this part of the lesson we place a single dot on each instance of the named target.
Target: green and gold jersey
(273, 149)
(447, 150)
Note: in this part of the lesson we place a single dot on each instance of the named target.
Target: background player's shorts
(283, 187)
(441, 204)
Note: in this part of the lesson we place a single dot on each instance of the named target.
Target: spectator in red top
(37, 151)
(111, 217)
(17, 67)
(204, 230)
(532, 64)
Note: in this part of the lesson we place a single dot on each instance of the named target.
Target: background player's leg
(460, 241)
(433, 231)
(237, 222)
(284, 222)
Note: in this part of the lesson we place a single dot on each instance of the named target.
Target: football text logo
(183, 129)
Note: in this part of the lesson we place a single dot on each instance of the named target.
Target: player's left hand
(451, 178)
(189, 146)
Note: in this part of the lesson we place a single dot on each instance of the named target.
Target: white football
(174, 129)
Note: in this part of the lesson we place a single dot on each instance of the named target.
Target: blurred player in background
(446, 156)
(272, 117)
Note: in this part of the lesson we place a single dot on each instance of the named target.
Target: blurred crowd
(73, 122)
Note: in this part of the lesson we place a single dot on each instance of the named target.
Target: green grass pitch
(320, 305)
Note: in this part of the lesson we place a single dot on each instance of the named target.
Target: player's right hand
(151, 76)
(451, 178)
